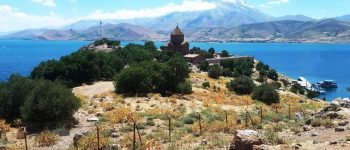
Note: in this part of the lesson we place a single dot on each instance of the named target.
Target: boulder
(245, 140)
(339, 129)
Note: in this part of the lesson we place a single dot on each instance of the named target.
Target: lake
(315, 62)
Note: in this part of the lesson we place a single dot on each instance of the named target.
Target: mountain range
(227, 22)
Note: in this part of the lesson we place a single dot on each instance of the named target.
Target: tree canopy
(242, 85)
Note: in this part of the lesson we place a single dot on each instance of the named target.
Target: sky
(24, 14)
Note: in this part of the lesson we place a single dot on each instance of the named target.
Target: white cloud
(274, 2)
(14, 20)
(50, 3)
(187, 5)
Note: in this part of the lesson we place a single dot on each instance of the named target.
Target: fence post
(246, 118)
(261, 115)
(98, 137)
(289, 111)
(169, 121)
(25, 137)
(138, 133)
(200, 123)
(134, 139)
(226, 117)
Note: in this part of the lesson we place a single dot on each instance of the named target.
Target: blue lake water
(315, 62)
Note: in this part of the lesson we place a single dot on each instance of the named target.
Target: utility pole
(101, 29)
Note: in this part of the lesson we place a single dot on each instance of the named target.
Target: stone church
(177, 43)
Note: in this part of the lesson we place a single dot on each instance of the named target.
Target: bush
(297, 89)
(205, 85)
(266, 93)
(312, 94)
(133, 80)
(188, 120)
(214, 71)
(227, 72)
(49, 102)
(225, 53)
(272, 74)
(36, 101)
(46, 139)
(241, 85)
(203, 66)
(184, 87)
(243, 67)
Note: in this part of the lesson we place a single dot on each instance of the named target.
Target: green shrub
(272, 74)
(266, 93)
(225, 53)
(203, 66)
(226, 72)
(312, 94)
(297, 89)
(241, 85)
(188, 120)
(214, 71)
(205, 85)
(49, 102)
(133, 80)
(184, 87)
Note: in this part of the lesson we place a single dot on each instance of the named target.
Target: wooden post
(226, 118)
(251, 120)
(98, 137)
(25, 138)
(246, 118)
(169, 121)
(289, 111)
(134, 138)
(138, 133)
(261, 115)
(200, 123)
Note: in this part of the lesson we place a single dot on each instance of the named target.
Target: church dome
(177, 31)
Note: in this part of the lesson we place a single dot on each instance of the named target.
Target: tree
(214, 71)
(49, 102)
(312, 94)
(12, 96)
(224, 53)
(203, 66)
(262, 66)
(241, 85)
(229, 64)
(211, 52)
(133, 80)
(272, 74)
(243, 67)
(297, 89)
(226, 72)
(266, 93)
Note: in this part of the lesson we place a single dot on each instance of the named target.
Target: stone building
(177, 43)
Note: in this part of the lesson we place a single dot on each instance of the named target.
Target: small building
(177, 43)
(194, 58)
(219, 59)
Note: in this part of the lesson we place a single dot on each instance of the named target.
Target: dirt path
(95, 89)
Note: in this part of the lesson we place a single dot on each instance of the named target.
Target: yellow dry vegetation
(120, 114)
(4, 127)
(89, 142)
(46, 139)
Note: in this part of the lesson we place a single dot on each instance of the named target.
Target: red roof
(177, 31)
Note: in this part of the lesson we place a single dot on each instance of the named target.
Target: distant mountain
(123, 32)
(344, 18)
(226, 14)
(330, 30)
(295, 18)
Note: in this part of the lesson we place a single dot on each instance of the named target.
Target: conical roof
(177, 31)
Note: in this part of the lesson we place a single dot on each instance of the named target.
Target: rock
(332, 115)
(339, 129)
(313, 134)
(92, 119)
(114, 135)
(315, 142)
(297, 146)
(307, 128)
(333, 142)
(245, 140)
(343, 123)
(298, 116)
(205, 141)
(115, 146)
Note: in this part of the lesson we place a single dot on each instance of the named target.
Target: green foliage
(133, 80)
(188, 120)
(241, 85)
(229, 64)
(214, 71)
(224, 53)
(12, 96)
(227, 72)
(80, 67)
(36, 101)
(211, 52)
(262, 66)
(297, 89)
(197, 50)
(276, 85)
(266, 93)
(106, 41)
(312, 94)
(184, 87)
(203, 66)
(272, 74)
(205, 85)
(151, 76)
(243, 67)
(49, 102)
